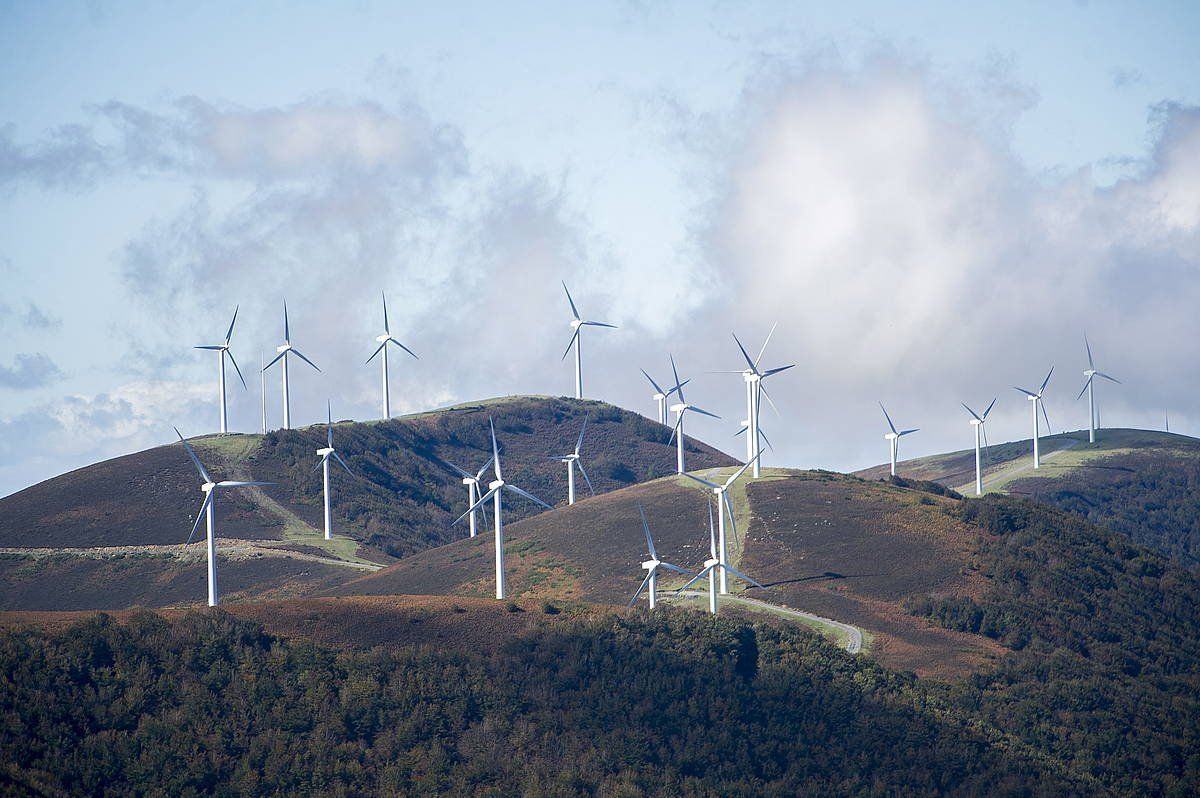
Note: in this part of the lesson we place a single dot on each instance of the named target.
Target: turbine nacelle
(383, 338)
(651, 565)
(208, 487)
(495, 484)
(328, 450)
(679, 408)
(470, 481)
(283, 348)
(975, 422)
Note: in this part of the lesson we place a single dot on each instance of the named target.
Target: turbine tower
(496, 493)
(262, 378)
(680, 409)
(384, 340)
(576, 325)
(573, 460)
(472, 483)
(660, 396)
(222, 351)
(894, 437)
(326, 453)
(1036, 398)
(977, 421)
(652, 565)
(284, 350)
(208, 513)
(754, 377)
(1088, 386)
(712, 565)
(723, 503)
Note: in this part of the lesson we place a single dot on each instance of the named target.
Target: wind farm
(677, 563)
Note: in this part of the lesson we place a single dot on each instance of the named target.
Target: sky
(934, 202)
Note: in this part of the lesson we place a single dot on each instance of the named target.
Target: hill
(111, 532)
(1141, 483)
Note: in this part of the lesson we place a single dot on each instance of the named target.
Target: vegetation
(1106, 639)
(669, 704)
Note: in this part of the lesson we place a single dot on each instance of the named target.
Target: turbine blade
(989, 408)
(679, 388)
(646, 529)
(1091, 365)
(585, 476)
(972, 412)
(461, 472)
(732, 522)
(527, 495)
(701, 411)
(574, 310)
(770, 372)
(192, 454)
(599, 324)
(274, 360)
(321, 462)
(579, 443)
(745, 354)
(230, 483)
(229, 332)
(391, 340)
(1022, 390)
(742, 470)
(208, 497)
(218, 347)
(1046, 381)
(376, 352)
(762, 389)
(479, 474)
(645, 582)
(300, 355)
(287, 335)
(238, 370)
(766, 440)
(889, 418)
(1047, 417)
(909, 432)
(1083, 390)
(495, 450)
(652, 382)
(695, 579)
(764, 348)
(338, 457)
(329, 424)
(712, 533)
(675, 429)
(1105, 376)
(701, 480)
(570, 344)
(743, 577)
(481, 500)
(678, 384)
(386, 330)
(676, 568)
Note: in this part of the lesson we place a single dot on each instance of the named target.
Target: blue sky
(934, 201)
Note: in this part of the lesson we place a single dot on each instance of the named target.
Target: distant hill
(1142, 483)
(110, 534)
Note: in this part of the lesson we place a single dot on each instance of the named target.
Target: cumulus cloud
(29, 371)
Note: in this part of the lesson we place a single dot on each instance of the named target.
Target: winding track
(854, 638)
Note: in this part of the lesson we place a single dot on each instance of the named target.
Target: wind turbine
(326, 453)
(680, 409)
(977, 421)
(284, 350)
(222, 351)
(576, 324)
(496, 493)
(573, 460)
(754, 376)
(384, 340)
(894, 437)
(1091, 374)
(262, 378)
(208, 512)
(472, 483)
(714, 564)
(722, 494)
(1036, 398)
(652, 565)
(660, 396)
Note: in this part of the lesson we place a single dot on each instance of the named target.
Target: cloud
(325, 137)
(29, 371)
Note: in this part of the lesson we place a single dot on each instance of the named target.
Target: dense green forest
(1152, 497)
(668, 704)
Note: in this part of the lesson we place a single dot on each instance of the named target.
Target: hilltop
(1141, 483)
(113, 532)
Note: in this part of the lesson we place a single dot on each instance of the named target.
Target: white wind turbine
(680, 409)
(1091, 374)
(573, 460)
(208, 512)
(893, 437)
(1038, 403)
(384, 340)
(473, 493)
(576, 325)
(222, 351)
(714, 564)
(722, 493)
(652, 565)
(496, 492)
(754, 377)
(660, 396)
(977, 421)
(326, 453)
(284, 350)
